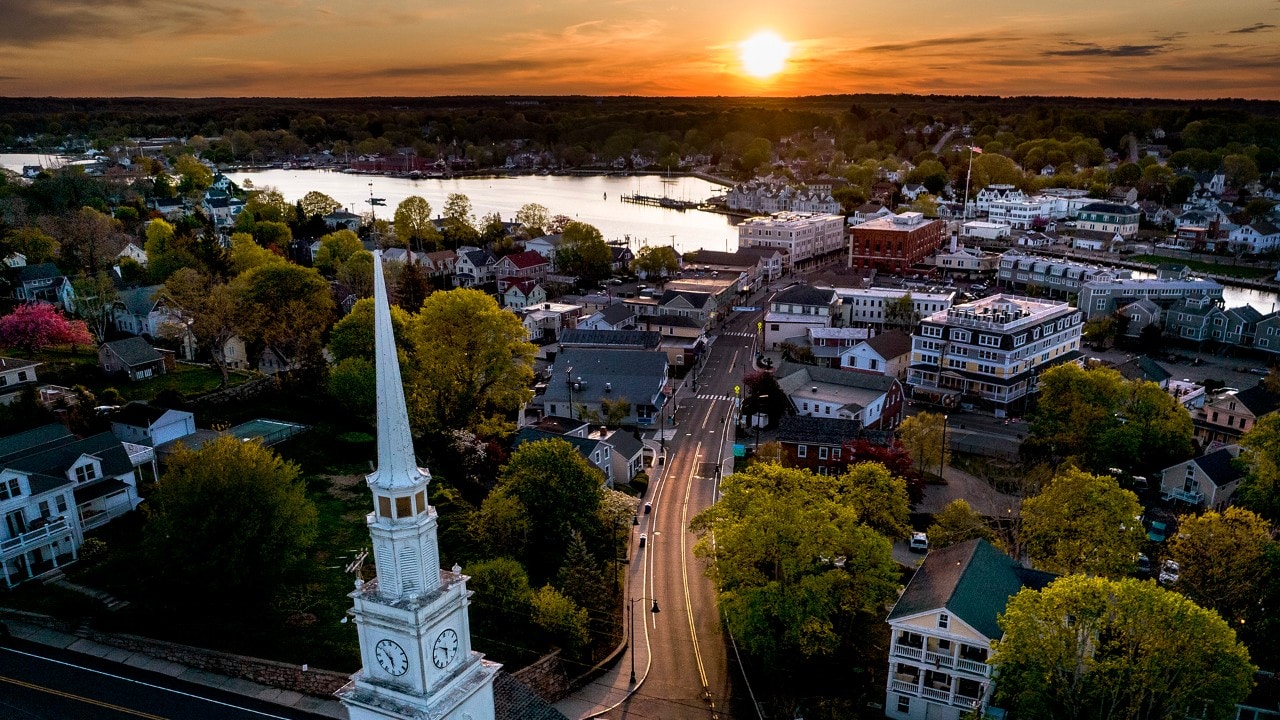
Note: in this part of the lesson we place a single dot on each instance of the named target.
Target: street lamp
(568, 379)
(631, 617)
(942, 449)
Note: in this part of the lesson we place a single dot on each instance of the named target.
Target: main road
(684, 653)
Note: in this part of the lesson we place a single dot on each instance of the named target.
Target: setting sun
(764, 54)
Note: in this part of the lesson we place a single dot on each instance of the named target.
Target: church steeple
(397, 468)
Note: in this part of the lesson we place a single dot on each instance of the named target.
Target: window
(62, 503)
(773, 326)
(904, 704)
(22, 376)
(404, 507)
(85, 473)
(44, 509)
(822, 453)
(802, 451)
(10, 489)
(835, 453)
(384, 507)
(944, 620)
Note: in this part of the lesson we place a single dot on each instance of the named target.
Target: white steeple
(397, 468)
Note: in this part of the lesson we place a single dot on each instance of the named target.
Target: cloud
(1171, 37)
(29, 24)
(1092, 50)
(929, 43)
(1256, 27)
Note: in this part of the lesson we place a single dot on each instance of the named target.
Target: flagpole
(967, 176)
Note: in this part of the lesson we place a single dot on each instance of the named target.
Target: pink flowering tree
(36, 326)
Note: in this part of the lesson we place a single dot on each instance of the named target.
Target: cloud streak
(1092, 50)
(1256, 27)
(28, 24)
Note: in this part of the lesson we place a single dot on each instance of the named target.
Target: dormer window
(10, 488)
(85, 473)
(944, 620)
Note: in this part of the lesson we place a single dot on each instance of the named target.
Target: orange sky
(1157, 48)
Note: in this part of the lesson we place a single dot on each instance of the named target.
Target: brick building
(894, 243)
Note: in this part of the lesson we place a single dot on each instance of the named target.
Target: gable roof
(890, 344)
(817, 430)
(139, 301)
(1220, 466)
(625, 443)
(617, 312)
(527, 434)
(693, 297)
(1143, 368)
(791, 373)
(134, 351)
(972, 580)
(526, 259)
(1259, 400)
(32, 440)
(46, 465)
(140, 414)
(42, 271)
(621, 338)
(523, 285)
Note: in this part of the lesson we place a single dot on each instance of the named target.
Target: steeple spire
(397, 467)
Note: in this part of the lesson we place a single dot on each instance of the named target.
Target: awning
(103, 488)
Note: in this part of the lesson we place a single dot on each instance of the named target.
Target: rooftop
(1003, 312)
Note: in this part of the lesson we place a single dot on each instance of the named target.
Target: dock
(665, 202)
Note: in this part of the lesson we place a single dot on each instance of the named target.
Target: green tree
(166, 254)
(921, 435)
(210, 307)
(1089, 648)
(317, 203)
(413, 224)
(352, 336)
(460, 221)
(956, 523)
(356, 273)
(95, 299)
(900, 313)
(353, 384)
(270, 233)
(656, 261)
(502, 597)
(878, 496)
(1240, 170)
(228, 523)
(502, 524)
(334, 250)
(474, 364)
(267, 204)
(584, 253)
(795, 567)
(582, 579)
(247, 254)
(534, 218)
(565, 624)
(195, 175)
(1083, 523)
(1222, 560)
(285, 307)
(560, 492)
(1259, 489)
(37, 245)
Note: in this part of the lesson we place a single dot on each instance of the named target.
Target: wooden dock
(664, 202)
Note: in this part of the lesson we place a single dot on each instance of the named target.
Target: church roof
(397, 465)
(512, 700)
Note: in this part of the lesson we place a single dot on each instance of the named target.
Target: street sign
(737, 389)
(739, 450)
(744, 308)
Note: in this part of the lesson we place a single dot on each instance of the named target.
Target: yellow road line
(80, 698)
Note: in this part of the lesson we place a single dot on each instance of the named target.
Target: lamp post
(568, 379)
(942, 449)
(760, 418)
(631, 616)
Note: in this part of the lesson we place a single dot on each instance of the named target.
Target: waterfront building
(894, 243)
(1058, 277)
(804, 237)
(1104, 296)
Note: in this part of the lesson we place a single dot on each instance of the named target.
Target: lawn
(1239, 271)
(67, 367)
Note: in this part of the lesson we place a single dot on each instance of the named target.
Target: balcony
(936, 693)
(908, 652)
(55, 530)
(1190, 497)
(938, 659)
(972, 666)
(904, 686)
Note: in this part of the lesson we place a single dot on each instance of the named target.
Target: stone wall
(236, 393)
(320, 683)
(546, 677)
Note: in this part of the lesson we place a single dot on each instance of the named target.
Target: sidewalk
(67, 641)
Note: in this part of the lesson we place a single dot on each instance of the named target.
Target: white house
(144, 424)
(793, 311)
(134, 253)
(1206, 481)
(15, 376)
(888, 353)
(1259, 236)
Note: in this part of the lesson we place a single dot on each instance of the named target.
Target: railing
(973, 666)
(936, 694)
(938, 659)
(908, 651)
(35, 538)
(89, 522)
(1194, 498)
(964, 701)
(904, 686)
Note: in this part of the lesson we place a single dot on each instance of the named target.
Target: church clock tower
(415, 638)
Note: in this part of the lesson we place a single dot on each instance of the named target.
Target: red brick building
(895, 242)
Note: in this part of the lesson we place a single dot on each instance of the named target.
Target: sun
(764, 54)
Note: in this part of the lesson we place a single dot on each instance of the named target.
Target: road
(43, 683)
(683, 651)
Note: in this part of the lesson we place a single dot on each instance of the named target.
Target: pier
(665, 202)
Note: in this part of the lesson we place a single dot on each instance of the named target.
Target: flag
(975, 149)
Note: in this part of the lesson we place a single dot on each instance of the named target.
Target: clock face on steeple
(445, 648)
(391, 657)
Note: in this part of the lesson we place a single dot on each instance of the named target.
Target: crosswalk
(708, 396)
(739, 334)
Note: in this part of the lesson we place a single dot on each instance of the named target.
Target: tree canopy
(796, 565)
(1222, 560)
(413, 223)
(584, 253)
(1083, 523)
(285, 307)
(1087, 648)
(1259, 490)
(35, 326)
(656, 261)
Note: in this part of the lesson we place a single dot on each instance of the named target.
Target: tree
(1083, 523)
(1221, 558)
(534, 218)
(166, 254)
(37, 245)
(413, 223)
(247, 254)
(795, 567)
(1240, 170)
(356, 273)
(656, 261)
(352, 336)
(35, 326)
(1259, 489)
(334, 250)
(900, 313)
(956, 523)
(285, 307)
(473, 366)
(211, 309)
(95, 299)
(584, 253)
(1087, 648)
(459, 221)
(229, 522)
(560, 492)
(878, 496)
(317, 203)
(922, 435)
(502, 596)
(90, 240)
(267, 204)
(353, 384)
(564, 622)
(195, 175)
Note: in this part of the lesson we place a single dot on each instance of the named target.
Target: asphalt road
(43, 683)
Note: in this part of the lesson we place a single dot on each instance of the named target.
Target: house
(1206, 481)
(684, 340)
(618, 316)
(15, 260)
(440, 263)
(1259, 236)
(869, 211)
(523, 265)
(583, 379)
(1239, 326)
(522, 293)
(995, 193)
(547, 246)
(1138, 315)
(474, 267)
(139, 311)
(342, 220)
(876, 401)
(794, 310)
(45, 283)
(1227, 416)
(1266, 334)
(1102, 295)
(825, 345)
(593, 449)
(236, 355)
(942, 626)
(172, 209)
(815, 443)
(1145, 369)
(1123, 195)
(546, 321)
(143, 424)
(1195, 318)
(622, 258)
(134, 358)
(134, 253)
(971, 262)
(15, 377)
(1109, 218)
(54, 487)
(888, 353)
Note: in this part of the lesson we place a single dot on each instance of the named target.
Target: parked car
(648, 508)
(643, 537)
(1158, 532)
(919, 542)
(1144, 565)
(1169, 572)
